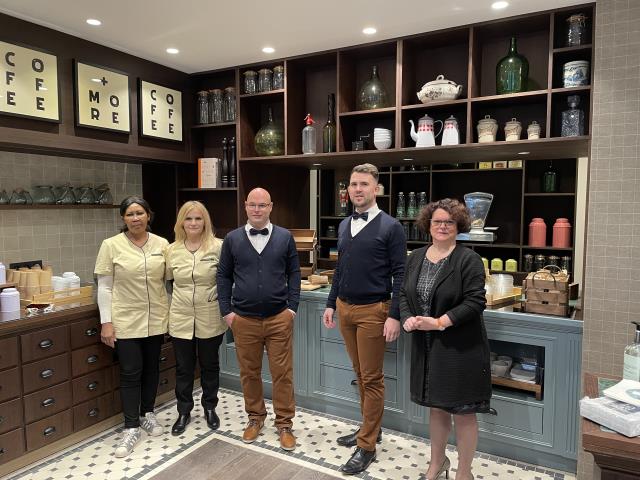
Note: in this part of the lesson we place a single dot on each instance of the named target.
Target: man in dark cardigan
(366, 283)
(258, 292)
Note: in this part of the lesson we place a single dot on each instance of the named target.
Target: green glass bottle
(329, 129)
(512, 72)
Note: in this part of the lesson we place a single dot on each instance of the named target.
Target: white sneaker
(129, 440)
(150, 424)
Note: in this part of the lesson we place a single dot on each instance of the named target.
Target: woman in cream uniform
(133, 305)
(194, 319)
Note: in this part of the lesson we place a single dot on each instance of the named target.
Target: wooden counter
(617, 456)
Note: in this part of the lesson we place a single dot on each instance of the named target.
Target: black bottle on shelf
(224, 176)
(232, 163)
(550, 179)
(329, 129)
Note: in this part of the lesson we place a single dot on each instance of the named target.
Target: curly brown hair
(458, 211)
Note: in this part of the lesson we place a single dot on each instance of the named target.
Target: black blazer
(449, 368)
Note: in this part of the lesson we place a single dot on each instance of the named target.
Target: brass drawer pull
(92, 359)
(92, 386)
(94, 412)
(164, 381)
(49, 431)
(46, 343)
(47, 402)
(46, 373)
(90, 332)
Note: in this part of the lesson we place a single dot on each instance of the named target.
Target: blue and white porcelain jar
(576, 73)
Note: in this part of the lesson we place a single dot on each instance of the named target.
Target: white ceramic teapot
(424, 137)
(438, 90)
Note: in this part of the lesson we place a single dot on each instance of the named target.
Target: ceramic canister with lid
(9, 300)
(533, 131)
(576, 73)
(512, 130)
(487, 129)
(561, 233)
(537, 233)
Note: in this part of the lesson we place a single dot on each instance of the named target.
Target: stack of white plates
(382, 138)
(518, 373)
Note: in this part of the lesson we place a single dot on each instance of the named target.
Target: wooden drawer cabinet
(167, 381)
(44, 343)
(8, 352)
(91, 358)
(44, 403)
(167, 356)
(44, 373)
(85, 332)
(49, 430)
(91, 385)
(11, 445)
(10, 415)
(91, 412)
(9, 384)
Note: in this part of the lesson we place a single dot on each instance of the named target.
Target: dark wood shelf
(262, 94)
(74, 206)
(550, 194)
(576, 90)
(540, 149)
(214, 125)
(444, 103)
(329, 238)
(368, 113)
(528, 247)
(409, 172)
(195, 189)
(512, 98)
(455, 170)
(577, 48)
(332, 217)
(489, 245)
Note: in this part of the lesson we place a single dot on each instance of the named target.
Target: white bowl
(382, 144)
(499, 368)
(378, 131)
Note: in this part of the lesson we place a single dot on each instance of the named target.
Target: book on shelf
(620, 417)
(627, 391)
(208, 173)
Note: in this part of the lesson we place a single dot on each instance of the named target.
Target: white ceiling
(213, 34)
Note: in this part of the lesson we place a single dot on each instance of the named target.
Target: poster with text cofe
(102, 98)
(29, 83)
(160, 111)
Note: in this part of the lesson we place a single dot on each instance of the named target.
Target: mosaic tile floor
(400, 456)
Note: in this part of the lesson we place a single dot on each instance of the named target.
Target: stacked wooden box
(547, 293)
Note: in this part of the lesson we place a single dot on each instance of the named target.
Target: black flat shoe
(212, 419)
(181, 424)
(351, 440)
(359, 462)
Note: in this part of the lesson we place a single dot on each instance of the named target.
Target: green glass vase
(270, 138)
(372, 93)
(512, 71)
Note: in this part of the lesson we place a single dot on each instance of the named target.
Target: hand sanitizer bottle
(631, 369)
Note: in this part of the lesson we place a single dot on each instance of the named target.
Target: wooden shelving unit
(518, 385)
(74, 206)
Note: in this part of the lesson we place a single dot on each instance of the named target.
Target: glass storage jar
(229, 105)
(215, 105)
(278, 77)
(250, 81)
(576, 29)
(43, 195)
(203, 108)
(265, 80)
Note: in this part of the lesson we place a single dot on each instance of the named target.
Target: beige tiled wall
(612, 286)
(66, 239)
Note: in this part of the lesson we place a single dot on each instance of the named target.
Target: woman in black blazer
(441, 304)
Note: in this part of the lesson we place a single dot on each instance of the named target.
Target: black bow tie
(264, 231)
(364, 216)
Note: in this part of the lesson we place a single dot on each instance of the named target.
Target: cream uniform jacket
(194, 302)
(139, 306)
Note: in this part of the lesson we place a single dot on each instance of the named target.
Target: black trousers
(139, 374)
(208, 352)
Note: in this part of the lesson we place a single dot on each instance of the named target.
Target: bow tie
(264, 231)
(364, 216)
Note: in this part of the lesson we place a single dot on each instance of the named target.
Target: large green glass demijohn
(270, 138)
(512, 72)
(372, 94)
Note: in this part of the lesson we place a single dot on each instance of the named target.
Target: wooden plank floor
(221, 460)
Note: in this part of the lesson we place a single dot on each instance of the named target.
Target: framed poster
(102, 98)
(30, 85)
(160, 111)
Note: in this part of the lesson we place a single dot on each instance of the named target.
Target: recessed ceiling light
(173, 51)
(317, 164)
(499, 5)
(268, 50)
(94, 22)
(408, 159)
(524, 153)
(369, 30)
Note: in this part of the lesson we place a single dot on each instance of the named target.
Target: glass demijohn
(372, 93)
(512, 71)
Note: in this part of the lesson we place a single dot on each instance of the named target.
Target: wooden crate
(61, 297)
(546, 293)
(496, 300)
(305, 238)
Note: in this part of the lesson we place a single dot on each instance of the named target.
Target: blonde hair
(207, 231)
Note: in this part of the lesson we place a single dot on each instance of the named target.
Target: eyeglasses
(443, 223)
(257, 206)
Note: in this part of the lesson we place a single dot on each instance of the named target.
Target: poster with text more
(29, 83)
(102, 98)
(160, 111)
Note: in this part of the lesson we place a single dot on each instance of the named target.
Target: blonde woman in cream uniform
(195, 324)
(133, 304)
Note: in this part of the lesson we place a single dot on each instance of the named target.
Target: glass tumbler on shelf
(250, 81)
(203, 108)
(215, 105)
(412, 208)
(576, 29)
(572, 119)
(229, 105)
(265, 80)
(400, 206)
(278, 77)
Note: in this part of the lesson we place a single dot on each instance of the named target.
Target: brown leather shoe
(252, 430)
(287, 439)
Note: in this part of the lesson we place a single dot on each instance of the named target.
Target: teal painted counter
(543, 432)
